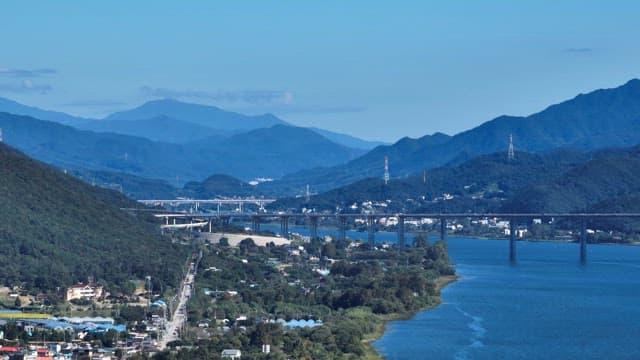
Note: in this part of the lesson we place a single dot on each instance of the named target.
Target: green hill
(479, 184)
(57, 230)
(561, 181)
(582, 187)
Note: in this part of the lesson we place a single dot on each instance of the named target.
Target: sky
(379, 70)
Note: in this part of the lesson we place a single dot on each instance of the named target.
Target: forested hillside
(57, 230)
(561, 181)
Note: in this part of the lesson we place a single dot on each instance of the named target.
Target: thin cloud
(300, 109)
(25, 73)
(25, 87)
(246, 96)
(578, 50)
(320, 110)
(95, 103)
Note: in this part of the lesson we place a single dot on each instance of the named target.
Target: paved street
(171, 332)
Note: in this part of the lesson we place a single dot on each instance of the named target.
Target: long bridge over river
(312, 219)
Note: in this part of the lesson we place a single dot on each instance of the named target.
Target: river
(545, 306)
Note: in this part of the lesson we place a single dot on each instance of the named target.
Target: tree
(420, 241)
(329, 250)
(224, 242)
(247, 245)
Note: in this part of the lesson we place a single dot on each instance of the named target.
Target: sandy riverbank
(234, 239)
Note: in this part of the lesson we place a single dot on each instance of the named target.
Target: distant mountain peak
(205, 115)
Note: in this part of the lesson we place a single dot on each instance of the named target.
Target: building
(230, 354)
(84, 291)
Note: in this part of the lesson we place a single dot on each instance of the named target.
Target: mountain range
(177, 142)
(602, 118)
(175, 121)
(265, 152)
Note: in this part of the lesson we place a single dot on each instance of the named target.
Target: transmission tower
(386, 170)
(308, 194)
(511, 154)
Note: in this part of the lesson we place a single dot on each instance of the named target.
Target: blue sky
(375, 69)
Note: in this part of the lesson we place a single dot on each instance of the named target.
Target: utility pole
(386, 170)
(511, 153)
(148, 278)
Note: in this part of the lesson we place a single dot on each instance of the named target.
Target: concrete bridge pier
(284, 226)
(313, 227)
(512, 240)
(443, 229)
(342, 228)
(371, 230)
(583, 241)
(402, 243)
(255, 224)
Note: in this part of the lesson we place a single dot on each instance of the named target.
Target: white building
(231, 354)
(84, 291)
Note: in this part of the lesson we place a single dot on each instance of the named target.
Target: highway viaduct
(370, 220)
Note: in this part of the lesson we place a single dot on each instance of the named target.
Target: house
(231, 354)
(84, 291)
(519, 233)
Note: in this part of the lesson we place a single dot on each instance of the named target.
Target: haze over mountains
(10, 106)
(178, 142)
(174, 121)
(69, 148)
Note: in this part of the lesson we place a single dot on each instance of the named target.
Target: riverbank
(235, 239)
(555, 240)
(370, 338)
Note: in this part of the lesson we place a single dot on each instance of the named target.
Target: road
(180, 314)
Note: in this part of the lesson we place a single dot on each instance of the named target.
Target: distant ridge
(348, 140)
(267, 152)
(13, 107)
(159, 128)
(205, 115)
(174, 121)
(602, 118)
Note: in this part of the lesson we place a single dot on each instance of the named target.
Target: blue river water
(545, 306)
